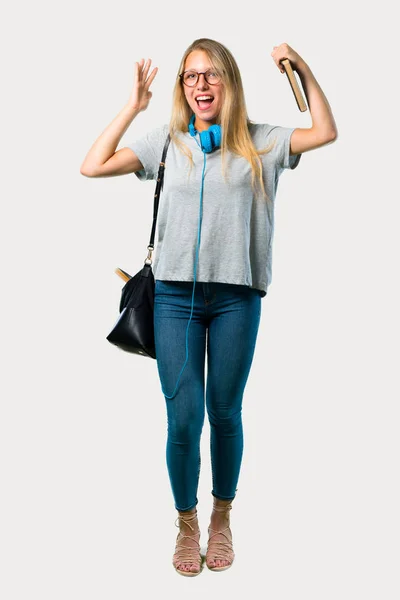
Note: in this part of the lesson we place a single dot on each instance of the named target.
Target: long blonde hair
(233, 117)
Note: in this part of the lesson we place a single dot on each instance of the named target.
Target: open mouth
(205, 103)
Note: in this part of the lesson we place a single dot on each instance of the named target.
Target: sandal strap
(187, 553)
(228, 543)
(190, 554)
(218, 549)
(187, 519)
(222, 508)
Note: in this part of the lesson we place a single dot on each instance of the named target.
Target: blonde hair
(233, 117)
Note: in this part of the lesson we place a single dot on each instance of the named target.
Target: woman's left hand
(285, 51)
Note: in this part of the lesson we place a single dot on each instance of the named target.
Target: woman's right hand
(140, 96)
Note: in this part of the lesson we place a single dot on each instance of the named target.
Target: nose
(204, 80)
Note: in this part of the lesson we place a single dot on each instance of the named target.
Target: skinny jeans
(225, 322)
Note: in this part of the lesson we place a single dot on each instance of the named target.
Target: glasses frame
(198, 73)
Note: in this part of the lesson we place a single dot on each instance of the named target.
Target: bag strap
(159, 185)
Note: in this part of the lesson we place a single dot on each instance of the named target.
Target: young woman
(213, 261)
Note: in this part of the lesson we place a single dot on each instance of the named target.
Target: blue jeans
(231, 315)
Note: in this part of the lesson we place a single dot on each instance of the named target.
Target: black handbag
(134, 329)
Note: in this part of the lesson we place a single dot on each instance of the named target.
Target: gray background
(86, 507)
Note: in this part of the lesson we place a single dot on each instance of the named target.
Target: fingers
(139, 68)
(277, 60)
(146, 68)
(142, 71)
(148, 80)
(151, 78)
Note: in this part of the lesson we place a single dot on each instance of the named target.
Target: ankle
(220, 512)
(222, 507)
(218, 518)
(186, 513)
(221, 502)
(187, 517)
(187, 522)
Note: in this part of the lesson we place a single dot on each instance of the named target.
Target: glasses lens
(213, 76)
(190, 78)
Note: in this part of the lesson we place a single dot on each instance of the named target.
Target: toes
(186, 567)
(219, 562)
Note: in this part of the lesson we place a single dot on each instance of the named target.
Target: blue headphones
(209, 139)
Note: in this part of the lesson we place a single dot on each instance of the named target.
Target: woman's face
(205, 115)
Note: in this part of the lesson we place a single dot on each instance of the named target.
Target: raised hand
(141, 96)
(285, 51)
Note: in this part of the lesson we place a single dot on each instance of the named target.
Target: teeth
(204, 98)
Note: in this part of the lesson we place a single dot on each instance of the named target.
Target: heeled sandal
(187, 554)
(217, 550)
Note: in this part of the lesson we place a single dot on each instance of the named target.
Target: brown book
(295, 85)
(123, 274)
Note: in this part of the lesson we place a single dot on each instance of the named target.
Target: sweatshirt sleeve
(149, 150)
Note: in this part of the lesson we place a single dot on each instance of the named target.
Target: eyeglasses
(190, 78)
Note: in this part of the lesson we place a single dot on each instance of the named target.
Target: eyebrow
(192, 69)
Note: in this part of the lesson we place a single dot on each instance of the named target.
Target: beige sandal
(217, 549)
(187, 554)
